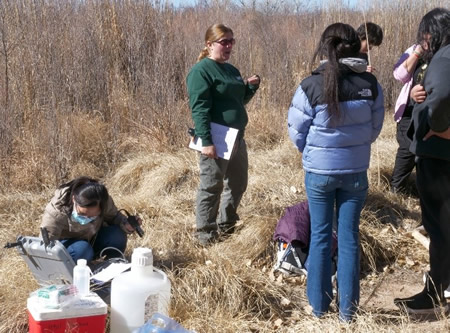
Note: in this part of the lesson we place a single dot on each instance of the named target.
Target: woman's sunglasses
(225, 42)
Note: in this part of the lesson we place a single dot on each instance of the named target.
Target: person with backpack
(334, 117)
(83, 217)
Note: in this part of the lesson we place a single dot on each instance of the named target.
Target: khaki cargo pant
(222, 184)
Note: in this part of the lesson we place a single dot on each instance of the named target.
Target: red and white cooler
(86, 314)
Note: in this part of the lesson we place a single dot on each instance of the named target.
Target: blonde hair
(213, 33)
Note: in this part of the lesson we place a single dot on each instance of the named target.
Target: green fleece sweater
(217, 93)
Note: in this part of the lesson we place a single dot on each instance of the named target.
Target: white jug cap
(142, 256)
(81, 262)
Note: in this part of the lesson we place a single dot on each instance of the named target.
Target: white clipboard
(223, 138)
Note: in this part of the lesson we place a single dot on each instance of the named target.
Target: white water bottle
(138, 294)
(81, 277)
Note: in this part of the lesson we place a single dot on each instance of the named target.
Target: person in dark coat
(430, 135)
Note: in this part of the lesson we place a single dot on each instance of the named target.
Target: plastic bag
(55, 296)
(159, 323)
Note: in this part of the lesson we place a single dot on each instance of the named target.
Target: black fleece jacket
(434, 112)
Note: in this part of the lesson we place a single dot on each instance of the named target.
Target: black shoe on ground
(228, 229)
(422, 304)
(206, 238)
(225, 231)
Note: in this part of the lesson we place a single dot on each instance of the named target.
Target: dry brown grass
(228, 287)
(103, 95)
(84, 84)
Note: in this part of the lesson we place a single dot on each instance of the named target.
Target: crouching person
(83, 217)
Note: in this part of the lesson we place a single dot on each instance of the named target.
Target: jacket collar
(346, 65)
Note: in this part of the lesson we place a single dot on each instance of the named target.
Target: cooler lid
(89, 305)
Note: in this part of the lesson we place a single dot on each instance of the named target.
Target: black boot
(430, 300)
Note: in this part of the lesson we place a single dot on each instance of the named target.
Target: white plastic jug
(138, 294)
(81, 277)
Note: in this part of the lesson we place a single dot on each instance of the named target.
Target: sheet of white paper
(111, 271)
(223, 138)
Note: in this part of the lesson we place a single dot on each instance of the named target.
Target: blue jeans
(347, 192)
(110, 236)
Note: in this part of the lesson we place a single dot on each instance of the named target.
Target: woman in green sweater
(218, 93)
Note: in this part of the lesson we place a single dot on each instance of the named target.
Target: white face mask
(81, 219)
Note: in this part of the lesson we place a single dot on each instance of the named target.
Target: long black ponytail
(339, 40)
